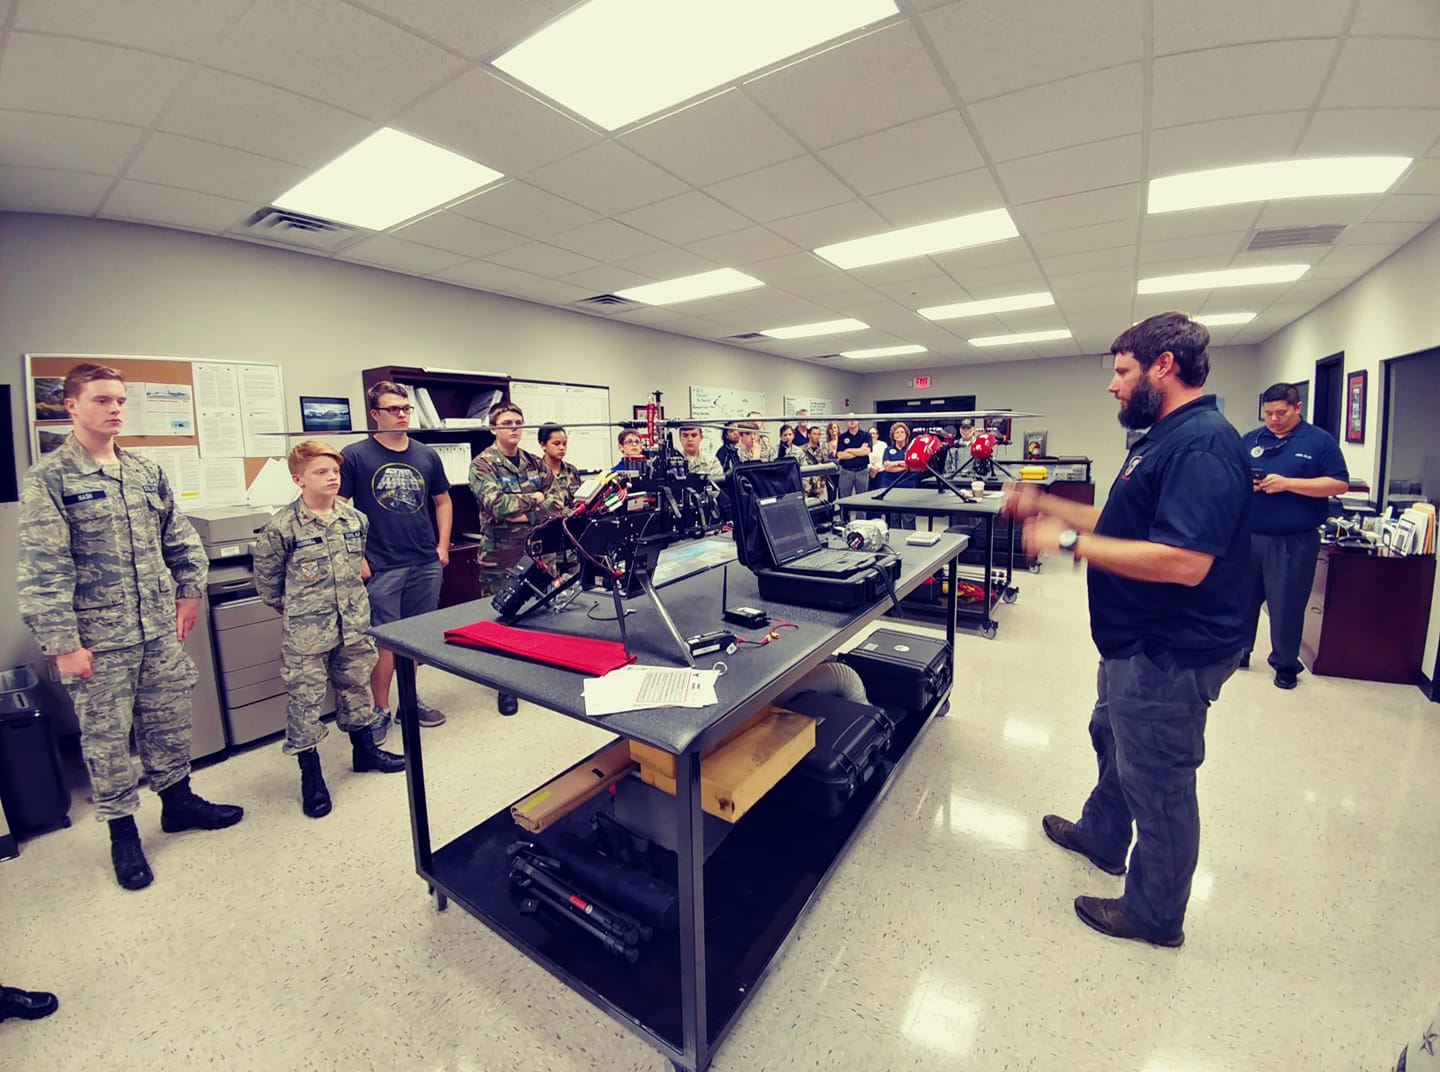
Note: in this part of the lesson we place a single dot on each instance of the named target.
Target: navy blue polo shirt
(854, 441)
(1306, 452)
(1186, 483)
(883, 479)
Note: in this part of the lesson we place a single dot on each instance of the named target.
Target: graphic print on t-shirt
(398, 488)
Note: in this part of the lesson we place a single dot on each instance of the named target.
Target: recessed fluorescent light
(615, 61)
(1324, 177)
(884, 351)
(1038, 300)
(1226, 277)
(690, 287)
(1220, 320)
(1024, 336)
(958, 232)
(387, 178)
(820, 327)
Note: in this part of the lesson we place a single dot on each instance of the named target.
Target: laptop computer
(794, 546)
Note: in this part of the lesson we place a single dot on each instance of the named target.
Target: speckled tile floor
(945, 940)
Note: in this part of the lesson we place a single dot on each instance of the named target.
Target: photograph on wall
(318, 414)
(51, 438)
(1355, 407)
(50, 399)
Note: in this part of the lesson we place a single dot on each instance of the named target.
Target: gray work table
(999, 582)
(689, 988)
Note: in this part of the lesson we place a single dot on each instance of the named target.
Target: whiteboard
(818, 407)
(569, 404)
(724, 403)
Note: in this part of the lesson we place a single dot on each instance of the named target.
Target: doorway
(1328, 400)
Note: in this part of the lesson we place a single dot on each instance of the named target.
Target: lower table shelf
(758, 884)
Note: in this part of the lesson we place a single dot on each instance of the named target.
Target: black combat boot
(131, 869)
(26, 1004)
(181, 809)
(314, 797)
(370, 756)
(507, 703)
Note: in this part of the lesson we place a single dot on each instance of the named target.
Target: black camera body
(524, 581)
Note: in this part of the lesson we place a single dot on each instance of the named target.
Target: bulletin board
(573, 405)
(724, 403)
(210, 425)
(818, 407)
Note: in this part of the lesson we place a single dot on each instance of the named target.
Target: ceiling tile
(1423, 178)
(1317, 211)
(780, 270)
(171, 160)
(874, 82)
(249, 115)
(607, 240)
(1078, 239)
(1397, 18)
(1202, 221)
(938, 199)
(541, 259)
(486, 119)
(716, 139)
(1183, 26)
(979, 41)
(1093, 260)
(28, 139)
(971, 266)
(386, 251)
(742, 247)
(81, 78)
(1072, 111)
(24, 189)
(465, 28)
(605, 279)
(607, 178)
(1391, 131)
(525, 209)
(334, 52)
(458, 234)
(780, 190)
(1384, 72)
(852, 219)
(183, 30)
(920, 293)
(1107, 278)
(550, 292)
(1078, 210)
(686, 218)
(902, 156)
(875, 275)
(1020, 277)
(1395, 233)
(1222, 142)
(1278, 75)
(1223, 245)
(1407, 207)
(1072, 171)
(149, 203)
(485, 276)
(668, 263)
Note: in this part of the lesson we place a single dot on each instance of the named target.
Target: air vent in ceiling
(297, 229)
(746, 337)
(608, 301)
(1285, 237)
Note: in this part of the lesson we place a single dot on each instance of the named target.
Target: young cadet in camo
(509, 486)
(111, 578)
(308, 566)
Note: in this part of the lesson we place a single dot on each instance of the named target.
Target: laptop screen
(787, 527)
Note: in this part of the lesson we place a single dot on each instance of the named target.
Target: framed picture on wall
(1355, 407)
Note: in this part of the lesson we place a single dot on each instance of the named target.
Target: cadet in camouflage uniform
(509, 487)
(308, 563)
(111, 578)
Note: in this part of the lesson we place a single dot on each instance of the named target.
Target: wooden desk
(1367, 616)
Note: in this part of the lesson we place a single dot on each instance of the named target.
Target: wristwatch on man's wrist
(1070, 541)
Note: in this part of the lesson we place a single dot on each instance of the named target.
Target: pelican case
(905, 669)
(851, 740)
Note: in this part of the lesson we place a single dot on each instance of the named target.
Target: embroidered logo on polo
(1131, 465)
(398, 488)
(82, 496)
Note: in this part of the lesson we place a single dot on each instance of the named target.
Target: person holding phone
(1294, 469)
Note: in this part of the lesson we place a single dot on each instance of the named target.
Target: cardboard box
(663, 763)
(743, 768)
(564, 794)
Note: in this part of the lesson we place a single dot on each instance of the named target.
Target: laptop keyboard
(824, 560)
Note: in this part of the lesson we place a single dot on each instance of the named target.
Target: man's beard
(1142, 409)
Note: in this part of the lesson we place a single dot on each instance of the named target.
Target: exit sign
(920, 382)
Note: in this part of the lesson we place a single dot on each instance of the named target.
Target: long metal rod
(690, 863)
(644, 576)
(414, 763)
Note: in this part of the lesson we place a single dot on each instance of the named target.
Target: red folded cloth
(596, 657)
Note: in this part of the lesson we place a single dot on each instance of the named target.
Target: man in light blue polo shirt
(1295, 468)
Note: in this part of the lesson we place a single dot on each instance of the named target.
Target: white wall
(1390, 312)
(1070, 394)
(71, 285)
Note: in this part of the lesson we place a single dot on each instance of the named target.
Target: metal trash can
(32, 789)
